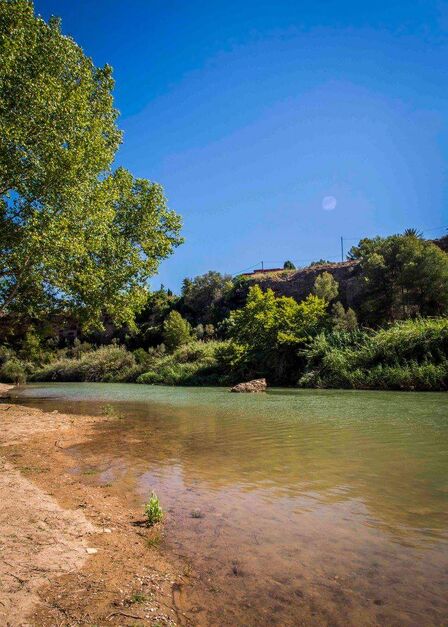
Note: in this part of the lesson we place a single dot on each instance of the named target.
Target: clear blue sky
(250, 113)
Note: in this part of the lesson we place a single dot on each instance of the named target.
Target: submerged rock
(256, 385)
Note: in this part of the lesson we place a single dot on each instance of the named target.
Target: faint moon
(329, 203)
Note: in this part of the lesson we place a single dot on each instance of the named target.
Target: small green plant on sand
(153, 511)
(138, 597)
(111, 412)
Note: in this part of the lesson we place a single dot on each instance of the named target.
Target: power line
(327, 257)
(295, 261)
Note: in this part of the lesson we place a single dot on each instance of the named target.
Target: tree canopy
(270, 329)
(204, 293)
(176, 330)
(326, 287)
(403, 276)
(74, 235)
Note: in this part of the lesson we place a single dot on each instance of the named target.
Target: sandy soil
(71, 554)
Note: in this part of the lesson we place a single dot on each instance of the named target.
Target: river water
(293, 507)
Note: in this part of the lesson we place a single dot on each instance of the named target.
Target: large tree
(74, 235)
(269, 331)
(203, 296)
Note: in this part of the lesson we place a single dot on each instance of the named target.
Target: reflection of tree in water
(384, 450)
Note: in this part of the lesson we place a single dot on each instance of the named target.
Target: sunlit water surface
(316, 507)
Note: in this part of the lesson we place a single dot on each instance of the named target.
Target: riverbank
(72, 553)
(407, 356)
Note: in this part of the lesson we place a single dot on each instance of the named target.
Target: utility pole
(262, 265)
(342, 248)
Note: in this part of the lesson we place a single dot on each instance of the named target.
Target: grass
(111, 412)
(410, 355)
(196, 363)
(32, 470)
(138, 597)
(90, 471)
(106, 363)
(154, 542)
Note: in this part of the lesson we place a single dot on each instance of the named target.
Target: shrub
(13, 371)
(153, 511)
(107, 363)
(326, 287)
(407, 355)
(6, 353)
(270, 330)
(342, 319)
(176, 331)
(196, 363)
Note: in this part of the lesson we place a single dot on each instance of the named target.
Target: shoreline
(73, 553)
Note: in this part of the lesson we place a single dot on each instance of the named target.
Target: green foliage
(80, 348)
(13, 371)
(288, 265)
(326, 287)
(196, 363)
(142, 357)
(408, 355)
(203, 295)
(31, 348)
(153, 511)
(403, 276)
(342, 319)
(206, 332)
(199, 332)
(112, 412)
(107, 363)
(270, 330)
(6, 353)
(150, 320)
(176, 331)
(320, 262)
(73, 234)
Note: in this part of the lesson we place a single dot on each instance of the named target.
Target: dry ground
(49, 524)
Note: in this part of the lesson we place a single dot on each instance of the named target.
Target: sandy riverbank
(49, 524)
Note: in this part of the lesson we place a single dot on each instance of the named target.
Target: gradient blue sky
(251, 113)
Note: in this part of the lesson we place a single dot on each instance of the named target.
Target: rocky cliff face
(298, 284)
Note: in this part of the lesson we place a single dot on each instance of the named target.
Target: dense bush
(407, 355)
(268, 332)
(107, 363)
(403, 276)
(13, 371)
(197, 363)
(176, 331)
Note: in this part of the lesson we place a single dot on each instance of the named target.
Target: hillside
(299, 283)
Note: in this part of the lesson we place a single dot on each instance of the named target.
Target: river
(293, 507)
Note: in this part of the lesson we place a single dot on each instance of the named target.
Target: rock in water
(257, 385)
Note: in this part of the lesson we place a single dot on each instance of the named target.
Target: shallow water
(316, 507)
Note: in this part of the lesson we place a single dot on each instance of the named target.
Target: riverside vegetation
(212, 335)
(79, 241)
